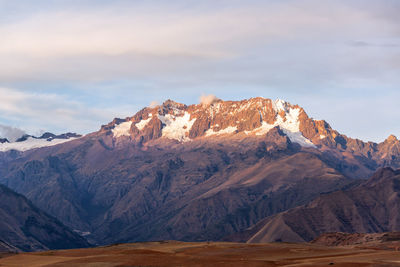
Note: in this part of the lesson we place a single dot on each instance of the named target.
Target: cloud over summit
(208, 99)
(10, 133)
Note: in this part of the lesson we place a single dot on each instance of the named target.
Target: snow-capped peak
(209, 119)
(28, 142)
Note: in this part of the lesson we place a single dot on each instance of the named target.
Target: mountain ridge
(24, 227)
(28, 142)
(370, 207)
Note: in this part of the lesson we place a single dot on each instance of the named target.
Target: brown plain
(173, 253)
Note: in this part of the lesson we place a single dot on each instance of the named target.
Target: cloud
(79, 63)
(10, 133)
(52, 112)
(260, 41)
(369, 44)
(208, 99)
(153, 104)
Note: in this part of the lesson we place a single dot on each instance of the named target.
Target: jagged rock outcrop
(50, 136)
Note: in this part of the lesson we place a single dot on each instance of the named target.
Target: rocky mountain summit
(255, 116)
(183, 123)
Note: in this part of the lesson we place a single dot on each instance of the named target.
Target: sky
(69, 65)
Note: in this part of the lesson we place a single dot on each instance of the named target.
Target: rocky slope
(372, 207)
(389, 239)
(6, 248)
(197, 172)
(23, 227)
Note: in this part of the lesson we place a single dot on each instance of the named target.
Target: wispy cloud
(32, 112)
(111, 42)
(372, 44)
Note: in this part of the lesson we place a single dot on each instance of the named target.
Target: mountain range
(211, 171)
(27, 142)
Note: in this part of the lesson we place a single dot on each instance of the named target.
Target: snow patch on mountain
(279, 105)
(227, 130)
(122, 129)
(297, 137)
(264, 128)
(289, 124)
(141, 124)
(176, 127)
(291, 121)
(32, 143)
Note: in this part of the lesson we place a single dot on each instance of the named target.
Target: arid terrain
(173, 253)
